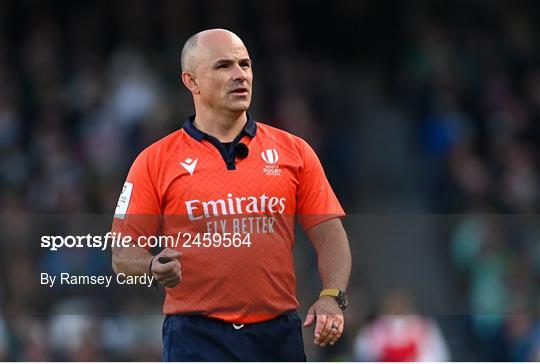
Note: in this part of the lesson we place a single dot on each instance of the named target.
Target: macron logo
(189, 164)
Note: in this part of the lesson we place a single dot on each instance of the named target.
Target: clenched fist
(168, 274)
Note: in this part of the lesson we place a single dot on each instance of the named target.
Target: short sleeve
(316, 201)
(138, 211)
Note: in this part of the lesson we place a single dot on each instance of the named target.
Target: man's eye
(222, 65)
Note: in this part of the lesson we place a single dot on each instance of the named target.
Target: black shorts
(199, 338)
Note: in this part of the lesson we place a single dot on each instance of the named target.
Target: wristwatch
(341, 297)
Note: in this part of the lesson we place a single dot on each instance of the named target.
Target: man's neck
(222, 127)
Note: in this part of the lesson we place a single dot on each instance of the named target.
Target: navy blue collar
(249, 129)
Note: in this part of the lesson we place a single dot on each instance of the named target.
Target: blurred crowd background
(425, 114)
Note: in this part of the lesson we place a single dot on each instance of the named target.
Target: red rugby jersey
(187, 183)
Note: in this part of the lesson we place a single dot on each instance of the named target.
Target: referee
(230, 190)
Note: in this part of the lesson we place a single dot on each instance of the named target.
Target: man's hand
(168, 274)
(330, 322)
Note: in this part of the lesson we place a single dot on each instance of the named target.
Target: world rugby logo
(271, 157)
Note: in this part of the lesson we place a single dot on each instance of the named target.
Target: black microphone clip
(241, 150)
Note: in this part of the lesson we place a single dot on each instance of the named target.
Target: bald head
(216, 69)
(197, 45)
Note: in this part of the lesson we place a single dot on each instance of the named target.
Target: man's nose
(238, 73)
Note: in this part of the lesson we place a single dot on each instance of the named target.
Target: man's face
(224, 74)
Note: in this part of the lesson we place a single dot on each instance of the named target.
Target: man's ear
(190, 82)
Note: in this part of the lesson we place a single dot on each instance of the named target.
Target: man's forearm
(132, 261)
(334, 256)
(334, 263)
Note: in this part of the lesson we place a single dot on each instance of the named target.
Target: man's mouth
(240, 91)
